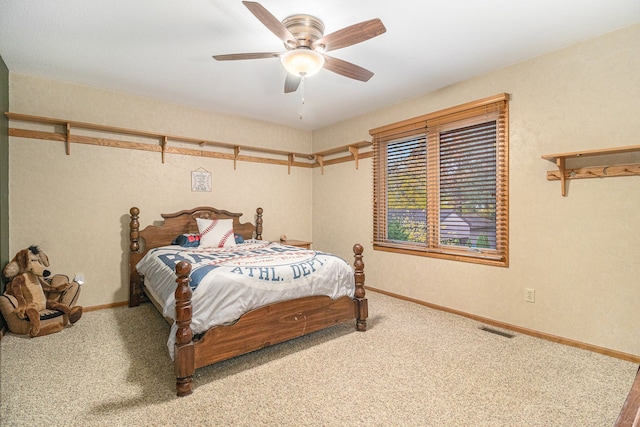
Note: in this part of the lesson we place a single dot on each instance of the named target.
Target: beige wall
(76, 207)
(580, 253)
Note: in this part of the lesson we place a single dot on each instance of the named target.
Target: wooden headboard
(174, 224)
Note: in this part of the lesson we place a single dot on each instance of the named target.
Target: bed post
(134, 255)
(184, 354)
(362, 309)
(259, 224)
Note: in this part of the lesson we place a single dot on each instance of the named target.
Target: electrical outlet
(529, 295)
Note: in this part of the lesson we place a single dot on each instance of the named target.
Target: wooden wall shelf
(563, 174)
(162, 143)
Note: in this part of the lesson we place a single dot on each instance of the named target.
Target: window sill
(472, 257)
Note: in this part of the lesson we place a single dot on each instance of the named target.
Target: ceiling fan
(306, 44)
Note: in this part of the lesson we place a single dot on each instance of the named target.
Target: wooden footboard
(259, 328)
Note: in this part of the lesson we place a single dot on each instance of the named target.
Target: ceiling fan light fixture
(302, 62)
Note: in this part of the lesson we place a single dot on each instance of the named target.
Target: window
(441, 184)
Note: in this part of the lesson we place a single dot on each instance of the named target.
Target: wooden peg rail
(354, 154)
(204, 148)
(563, 174)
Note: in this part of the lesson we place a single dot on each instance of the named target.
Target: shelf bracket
(289, 163)
(236, 151)
(67, 142)
(164, 147)
(354, 150)
(320, 160)
(560, 161)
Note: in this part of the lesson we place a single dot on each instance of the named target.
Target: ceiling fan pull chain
(302, 79)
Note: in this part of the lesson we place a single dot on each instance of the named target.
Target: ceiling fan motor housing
(305, 28)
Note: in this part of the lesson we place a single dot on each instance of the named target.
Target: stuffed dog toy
(27, 272)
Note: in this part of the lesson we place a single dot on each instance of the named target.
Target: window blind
(441, 183)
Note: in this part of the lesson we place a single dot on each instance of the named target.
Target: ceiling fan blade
(351, 35)
(346, 69)
(272, 23)
(291, 83)
(237, 56)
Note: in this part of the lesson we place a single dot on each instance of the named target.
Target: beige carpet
(413, 367)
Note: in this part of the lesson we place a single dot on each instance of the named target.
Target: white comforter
(228, 282)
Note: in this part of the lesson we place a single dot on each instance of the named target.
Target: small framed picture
(200, 180)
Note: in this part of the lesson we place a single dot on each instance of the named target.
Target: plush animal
(33, 293)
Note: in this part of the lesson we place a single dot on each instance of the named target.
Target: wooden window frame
(483, 110)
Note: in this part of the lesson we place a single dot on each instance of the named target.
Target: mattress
(228, 282)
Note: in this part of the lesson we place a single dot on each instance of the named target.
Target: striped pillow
(217, 233)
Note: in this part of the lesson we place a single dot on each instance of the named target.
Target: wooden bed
(630, 413)
(256, 329)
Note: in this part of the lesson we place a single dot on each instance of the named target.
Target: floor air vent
(497, 332)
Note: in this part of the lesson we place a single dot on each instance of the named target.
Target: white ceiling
(162, 48)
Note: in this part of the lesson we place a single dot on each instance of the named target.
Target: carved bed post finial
(259, 224)
(184, 354)
(134, 230)
(362, 305)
